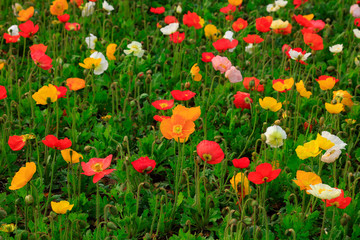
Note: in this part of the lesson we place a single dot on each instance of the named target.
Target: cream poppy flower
(91, 41)
(295, 55)
(275, 136)
(324, 191)
(331, 155)
(281, 3)
(103, 64)
(229, 35)
(88, 9)
(277, 24)
(272, 7)
(13, 30)
(336, 48)
(170, 29)
(135, 48)
(107, 7)
(356, 33)
(334, 139)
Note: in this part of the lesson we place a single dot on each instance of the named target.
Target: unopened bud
(263, 137)
(87, 148)
(187, 85)
(29, 199)
(277, 122)
(111, 225)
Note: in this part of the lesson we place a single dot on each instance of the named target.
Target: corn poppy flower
(207, 56)
(302, 21)
(97, 167)
(177, 37)
(228, 9)
(170, 19)
(263, 24)
(11, 39)
(224, 44)
(196, 76)
(235, 2)
(16, 143)
(3, 93)
(283, 85)
(26, 14)
(75, 84)
(110, 50)
(46, 92)
(72, 26)
(239, 24)
(211, 32)
(326, 82)
(210, 152)
(240, 184)
(233, 74)
(339, 202)
(58, 7)
(182, 95)
(158, 10)
(163, 104)
(269, 103)
(177, 127)
(144, 165)
(23, 176)
(61, 207)
(334, 108)
(314, 41)
(193, 20)
(41, 60)
(53, 142)
(324, 191)
(343, 97)
(300, 87)
(38, 47)
(305, 179)
(64, 18)
(243, 162)
(263, 173)
(242, 100)
(309, 149)
(28, 29)
(221, 64)
(160, 118)
(252, 83)
(357, 22)
(253, 39)
(71, 156)
(298, 3)
(192, 113)
(61, 91)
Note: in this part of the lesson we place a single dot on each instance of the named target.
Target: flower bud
(3, 213)
(345, 219)
(254, 203)
(187, 85)
(277, 122)
(87, 148)
(263, 137)
(111, 225)
(29, 199)
(247, 220)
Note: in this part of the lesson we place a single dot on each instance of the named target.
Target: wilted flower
(275, 136)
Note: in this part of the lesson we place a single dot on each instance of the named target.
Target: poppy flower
(253, 39)
(269, 103)
(97, 167)
(196, 76)
(211, 32)
(53, 142)
(163, 104)
(324, 191)
(326, 82)
(263, 173)
(224, 44)
(72, 26)
(61, 91)
(284, 31)
(357, 22)
(343, 97)
(302, 21)
(182, 95)
(26, 14)
(45, 94)
(298, 55)
(317, 26)
(177, 127)
(38, 47)
(241, 184)
(229, 18)
(58, 7)
(135, 48)
(192, 113)
(207, 56)
(64, 18)
(263, 24)
(252, 83)
(61, 207)
(243, 162)
(339, 202)
(334, 108)
(144, 165)
(275, 136)
(77, 2)
(314, 41)
(283, 85)
(170, 19)
(300, 87)
(158, 10)
(193, 20)
(235, 2)
(23, 176)
(210, 152)
(16, 143)
(71, 156)
(309, 149)
(160, 118)
(221, 64)
(41, 60)
(228, 9)
(28, 29)
(8, 228)
(107, 7)
(75, 83)
(97, 62)
(242, 100)
(110, 50)
(177, 37)
(239, 24)
(11, 39)
(305, 179)
(297, 3)
(3, 93)
(233, 74)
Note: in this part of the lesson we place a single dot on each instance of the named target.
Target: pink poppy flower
(97, 167)
(221, 64)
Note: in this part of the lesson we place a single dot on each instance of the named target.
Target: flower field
(211, 119)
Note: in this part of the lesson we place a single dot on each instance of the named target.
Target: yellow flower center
(163, 105)
(177, 129)
(97, 167)
(207, 157)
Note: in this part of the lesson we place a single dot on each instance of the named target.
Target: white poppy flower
(88, 9)
(107, 7)
(295, 55)
(103, 64)
(250, 48)
(356, 33)
(336, 48)
(178, 9)
(324, 191)
(272, 8)
(281, 3)
(170, 29)
(91, 41)
(13, 30)
(275, 136)
(334, 139)
(331, 155)
(135, 48)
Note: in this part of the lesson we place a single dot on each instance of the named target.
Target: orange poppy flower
(187, 113)
(26, 14)
(239, 24)
(58, 7)
(177, 128)
(314, 41)
(75, 83)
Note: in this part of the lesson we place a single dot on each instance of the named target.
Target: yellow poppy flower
(334, 108)
(305, 179)
(300, 87)
(343, 97)
(309, 16)
(110, 50)
(90, 63)
(324, 143)
(235, 2)
(45, 93)
(310, 149)
(23, 176)
(196, 76)
(283, 86)
(61, 207)
(211, 32)
(327, 84)
(71, 156)
(7, 227)
(243, 188)
(269, 103)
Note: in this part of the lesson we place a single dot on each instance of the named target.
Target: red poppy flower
(324, 77)
(307, 30)
(160, 118)
(255, 86)
(242, 100)
(28, 29)
(210, 152)
(182, 95)
(64, 18)
(253, 39)
(11, 39)
(144, 164)
(72, 26)
(41, 59)
(192, 20)
(284, 31)
(314, 41)
(158, 10)
(97, 167)
(264, 173)
(357, 22)
(297, 3)
(317, 25)
(339, 202)
(78, 2)
(207, 56)
(170, 19)
(177, 37)
(263, 24)
(243, 162)
(53, 142)
(224, 44)
(228, 9)
(16, 143)
(61, 91)
(302, 21)
(3, 92)
(306, 125)
(38, 47)
(163, 104)
(229, 18)
(239, 24)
